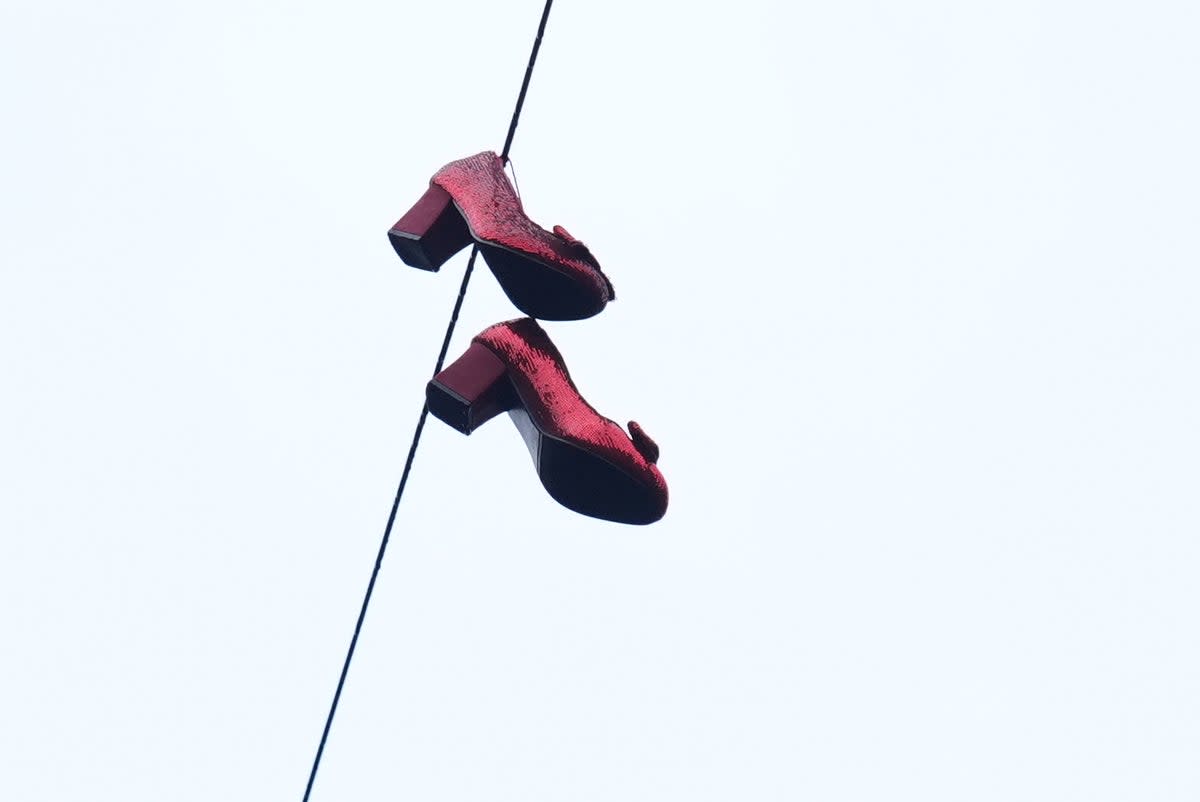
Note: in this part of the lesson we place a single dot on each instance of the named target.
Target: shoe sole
(537, 289)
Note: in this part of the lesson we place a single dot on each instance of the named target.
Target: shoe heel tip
(410, 252)
(448, 407)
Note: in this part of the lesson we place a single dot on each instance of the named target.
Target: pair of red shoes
(584, 460)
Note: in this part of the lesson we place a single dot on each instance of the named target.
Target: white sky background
(906, 292)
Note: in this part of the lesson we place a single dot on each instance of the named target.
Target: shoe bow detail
(562, 232)
(642, 442)
(577, 249)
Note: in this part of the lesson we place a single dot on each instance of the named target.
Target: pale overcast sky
(906, 292)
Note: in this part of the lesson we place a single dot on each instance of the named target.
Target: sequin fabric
(536, 369)
(495, 215)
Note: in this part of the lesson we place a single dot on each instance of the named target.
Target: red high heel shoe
(546, 274)
(585, 461)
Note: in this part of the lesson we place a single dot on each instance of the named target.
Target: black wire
(537, 43)
(416, 439)
(387, 531)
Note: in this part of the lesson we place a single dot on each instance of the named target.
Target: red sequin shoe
(585, 461)
(546, 274)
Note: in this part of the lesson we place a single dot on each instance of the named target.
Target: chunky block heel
(431, 231)
(472, 391)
